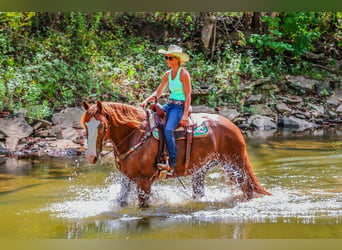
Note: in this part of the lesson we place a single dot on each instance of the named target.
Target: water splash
(173, 202)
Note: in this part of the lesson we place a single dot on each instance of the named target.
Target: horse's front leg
(125, 188)
(144, 190)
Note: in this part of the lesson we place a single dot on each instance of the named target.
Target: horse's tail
(252, 184)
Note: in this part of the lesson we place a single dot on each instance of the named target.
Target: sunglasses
(169, 58)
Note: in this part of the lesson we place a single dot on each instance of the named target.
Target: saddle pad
(198, 131)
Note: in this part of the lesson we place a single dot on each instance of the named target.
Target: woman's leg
(174, 114)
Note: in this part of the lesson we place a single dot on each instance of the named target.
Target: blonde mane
(117, 114)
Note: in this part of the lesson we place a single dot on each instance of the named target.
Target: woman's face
(171, 60)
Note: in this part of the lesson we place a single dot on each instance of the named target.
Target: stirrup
(165, 168)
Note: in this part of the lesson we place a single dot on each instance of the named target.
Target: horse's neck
(124, 136)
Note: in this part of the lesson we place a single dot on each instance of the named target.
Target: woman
(178, 81)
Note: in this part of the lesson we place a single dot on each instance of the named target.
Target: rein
(122, 156)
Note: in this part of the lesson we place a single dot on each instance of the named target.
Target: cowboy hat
(175, 51)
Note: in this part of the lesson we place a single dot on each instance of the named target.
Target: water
(69, 199)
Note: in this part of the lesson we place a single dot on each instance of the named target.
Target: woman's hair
(180, 62)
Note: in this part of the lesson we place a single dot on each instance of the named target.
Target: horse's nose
(92, 159)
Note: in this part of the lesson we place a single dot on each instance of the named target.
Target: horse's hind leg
(237, 176)
(125, 188)
(197, 180)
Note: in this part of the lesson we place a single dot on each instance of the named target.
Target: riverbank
(63, 135)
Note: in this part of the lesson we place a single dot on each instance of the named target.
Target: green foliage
(291, 32)
(49, 61)
(15, 20)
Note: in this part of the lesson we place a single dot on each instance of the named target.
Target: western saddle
(160, 118)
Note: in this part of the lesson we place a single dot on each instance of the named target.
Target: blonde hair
(180, 61)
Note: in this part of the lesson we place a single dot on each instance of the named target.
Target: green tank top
(176, 86)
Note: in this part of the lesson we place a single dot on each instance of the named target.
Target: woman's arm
(185, 79)
(156, 94)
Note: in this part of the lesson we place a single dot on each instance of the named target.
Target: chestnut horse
(136, 149)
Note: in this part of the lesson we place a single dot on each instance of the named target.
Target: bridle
(121, 156)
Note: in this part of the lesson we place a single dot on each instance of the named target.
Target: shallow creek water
(69, 199)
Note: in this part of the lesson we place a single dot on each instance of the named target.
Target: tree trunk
(246, 20)
(256, 21)
(266, 27)
(209, 21)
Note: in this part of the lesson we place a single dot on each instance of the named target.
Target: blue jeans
(174, 115)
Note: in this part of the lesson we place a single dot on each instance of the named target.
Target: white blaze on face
(92, 126)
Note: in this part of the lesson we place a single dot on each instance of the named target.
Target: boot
(166, 167)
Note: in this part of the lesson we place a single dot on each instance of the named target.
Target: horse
(136, 150)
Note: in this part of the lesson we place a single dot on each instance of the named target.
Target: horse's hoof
(197, 196)
(123, 204)
(144, 206)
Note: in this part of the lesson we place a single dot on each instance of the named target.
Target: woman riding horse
(136, 149)
(177, 109)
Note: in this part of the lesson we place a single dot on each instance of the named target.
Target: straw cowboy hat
(176, 51)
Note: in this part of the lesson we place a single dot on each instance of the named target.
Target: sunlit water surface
(69, 199)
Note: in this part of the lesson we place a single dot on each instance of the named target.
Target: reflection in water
(74, 200)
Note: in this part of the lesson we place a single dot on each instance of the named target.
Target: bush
(50, 61)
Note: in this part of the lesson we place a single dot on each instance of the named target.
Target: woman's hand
(147, 100)
(143, 104)
(184, 120)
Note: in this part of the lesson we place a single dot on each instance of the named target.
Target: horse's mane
(118, 114)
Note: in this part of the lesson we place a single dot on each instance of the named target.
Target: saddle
(194, 128)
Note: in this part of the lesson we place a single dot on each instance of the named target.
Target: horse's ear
(99, 106)
(85, 105)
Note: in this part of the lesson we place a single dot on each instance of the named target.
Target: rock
(323, 89)
(4, 151)
(37, 125)
(63, 144)
(254, 99)
(333, 101)
(69, 117)
(231, 114)
(302, 83)
(301, 114)
(332, 114)
(339, 110)
(244, 126)
(69, 134)
(3, 159)
(314, 57)
(292, 99)
(268, 87)
(317, 111)
(293, 122)
(282, 108)
(262, 122)
(261, 133)
(56, 131)
(44, 122)
(338, 95)
(15, 129)
(41, 123)
(203, 109)
(42, 133)
(259, 82)
(261, 109)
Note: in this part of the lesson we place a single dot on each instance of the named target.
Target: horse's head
(95, 122)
